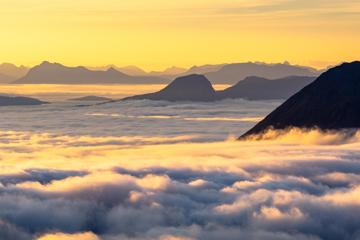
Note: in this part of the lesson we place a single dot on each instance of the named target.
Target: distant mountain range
(170, 72)
(129, 70)
(232, 73)
(204, 69)
(55, 73)
(197, 87)
(330, 102)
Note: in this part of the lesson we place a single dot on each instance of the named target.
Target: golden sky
(155, 34)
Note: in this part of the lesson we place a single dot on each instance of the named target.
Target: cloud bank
(301, 185)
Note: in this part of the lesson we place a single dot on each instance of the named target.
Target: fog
(265, 189)
(173, 172)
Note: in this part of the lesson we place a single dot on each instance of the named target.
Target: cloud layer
(290, 188)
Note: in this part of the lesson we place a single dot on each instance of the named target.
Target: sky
(155, 34)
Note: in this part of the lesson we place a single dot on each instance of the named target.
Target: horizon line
(146, 70)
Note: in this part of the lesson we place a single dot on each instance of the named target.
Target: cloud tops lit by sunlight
(289, 187)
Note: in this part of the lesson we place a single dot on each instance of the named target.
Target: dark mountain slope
(330, 102)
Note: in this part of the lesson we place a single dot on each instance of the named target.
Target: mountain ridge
(12, 70)
(232, 73)
(252, 88)
(56, 73)
(216, 73)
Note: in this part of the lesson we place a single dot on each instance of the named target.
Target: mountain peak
(12, 70)
(190, 83)
(47, 64)
(193, 87)
(351, 68)
(192, 78)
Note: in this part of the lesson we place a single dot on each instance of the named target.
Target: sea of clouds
(268, 189)
(91, 185)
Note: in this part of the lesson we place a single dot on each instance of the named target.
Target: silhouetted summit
(55, 73)
(331, 102)
(189, 88)
(12, 70)
(257, 88)
(15, 101)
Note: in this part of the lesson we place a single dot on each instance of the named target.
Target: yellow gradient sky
(155, 34)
